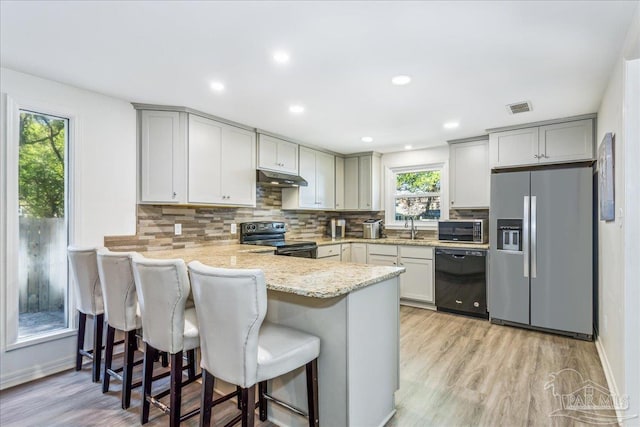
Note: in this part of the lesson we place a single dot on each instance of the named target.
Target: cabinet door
(346, 252)
(307, 198)
(238, 166)
(470, 175)
(565, 142)
(268, 153)
(339, 183)
(365, 183)
(416, 282)
(205, 151)
(325, 180)
(160, 137)
(288, 157)
(351, 185)
(359, 253)
(514, 147)
(385, 260)
(328, 251)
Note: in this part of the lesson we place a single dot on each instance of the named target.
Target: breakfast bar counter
(352, 308)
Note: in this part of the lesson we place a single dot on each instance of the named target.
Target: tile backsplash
(201, 225)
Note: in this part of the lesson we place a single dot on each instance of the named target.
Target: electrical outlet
(234, 229)
(177, 229)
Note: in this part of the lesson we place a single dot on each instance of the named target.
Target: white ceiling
(467, 60)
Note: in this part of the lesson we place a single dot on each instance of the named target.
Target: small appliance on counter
(468, 231)
(337, 228)
(372, 228)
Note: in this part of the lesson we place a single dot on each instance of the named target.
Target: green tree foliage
(41, 161)
(418, 182)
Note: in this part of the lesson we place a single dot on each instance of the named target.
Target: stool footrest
(234, 421)
(285, 405)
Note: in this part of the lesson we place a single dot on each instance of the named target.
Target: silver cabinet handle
(525, 237)
(534, 237)
(535, 156)
(173, 196)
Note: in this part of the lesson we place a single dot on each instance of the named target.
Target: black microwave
(468, 230)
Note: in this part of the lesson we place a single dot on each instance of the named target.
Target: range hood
(279, 179)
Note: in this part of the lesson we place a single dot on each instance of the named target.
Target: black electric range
(271, 233)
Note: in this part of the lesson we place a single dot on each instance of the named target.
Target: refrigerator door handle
(534, 237)
(525, 236)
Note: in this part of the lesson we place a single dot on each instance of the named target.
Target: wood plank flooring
(455, 371)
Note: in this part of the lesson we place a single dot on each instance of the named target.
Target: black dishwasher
(461, 281)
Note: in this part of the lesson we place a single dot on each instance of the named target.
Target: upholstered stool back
(84, 271)
(118, 290)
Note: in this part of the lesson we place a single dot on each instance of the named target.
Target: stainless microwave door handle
(525, 237)
(534, 237)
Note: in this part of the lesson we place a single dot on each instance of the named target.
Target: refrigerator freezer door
(508, 287)
(561, 290)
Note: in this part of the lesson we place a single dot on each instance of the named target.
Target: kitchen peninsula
(353, 308)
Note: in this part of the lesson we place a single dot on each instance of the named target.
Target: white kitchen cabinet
(318, 169)
(339, 183)
(277, 154)
(362, 182)
(359, 253)
(385, 260)
(382, 255)
(470, 174)
(346, 252)
(162, 157)
(417, 282)
(221, 165)
(564, 142)
(332, 252)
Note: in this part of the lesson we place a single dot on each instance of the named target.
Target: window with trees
(417, 194)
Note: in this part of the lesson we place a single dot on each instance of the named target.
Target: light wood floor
(455, 371)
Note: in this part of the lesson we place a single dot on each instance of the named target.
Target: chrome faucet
(414, 231)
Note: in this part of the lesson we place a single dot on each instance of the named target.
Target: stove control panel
(262, 227)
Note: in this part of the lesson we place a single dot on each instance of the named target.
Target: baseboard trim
(608, 374)
(36, 372)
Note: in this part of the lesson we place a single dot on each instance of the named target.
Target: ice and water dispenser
(510, 235)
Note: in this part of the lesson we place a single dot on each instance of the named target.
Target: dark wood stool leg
(97, 345)
(165, 359)
(248, 406)
(191, 360)
(130, 345)
(175, 395)
(206, 399)
(82, 323)
(108, 357)
(147, 377)
(312, 392)
(262, 402)
(239, 398)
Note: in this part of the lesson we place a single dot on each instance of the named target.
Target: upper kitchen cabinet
(318, 169)
(221, 163)
(558, 142)
(339, 183)
(163, 144)
(362, 182)
(277, 155)
(470, 174)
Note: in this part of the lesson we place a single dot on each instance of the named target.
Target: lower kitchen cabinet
(329, 252)
(346, 252)
(382, 255)
(417, 282)
(359, 253)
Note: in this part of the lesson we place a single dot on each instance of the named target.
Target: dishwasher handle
(460, 253)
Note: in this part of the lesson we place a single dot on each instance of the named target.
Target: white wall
(611, 251)
(105, 193)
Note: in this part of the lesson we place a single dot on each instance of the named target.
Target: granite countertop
(397, 241)
(301, 276)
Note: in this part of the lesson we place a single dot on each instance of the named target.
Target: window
(37, 168)
(417, 193)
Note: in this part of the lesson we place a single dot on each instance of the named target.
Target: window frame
(10, 231)
(390, 198)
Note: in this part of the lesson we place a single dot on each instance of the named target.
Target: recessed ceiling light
(408, 147)
(401, 80)
(217, 86)
(296, 109)
(366, 139)
(281, 57)
(451, 125)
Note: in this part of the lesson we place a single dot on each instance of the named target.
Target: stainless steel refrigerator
(541, 246)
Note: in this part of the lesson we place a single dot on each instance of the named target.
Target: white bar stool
(167, 325)
(122, 313)
(84, 271)
(237, 347)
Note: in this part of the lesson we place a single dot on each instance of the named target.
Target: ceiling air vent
(519, 107)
